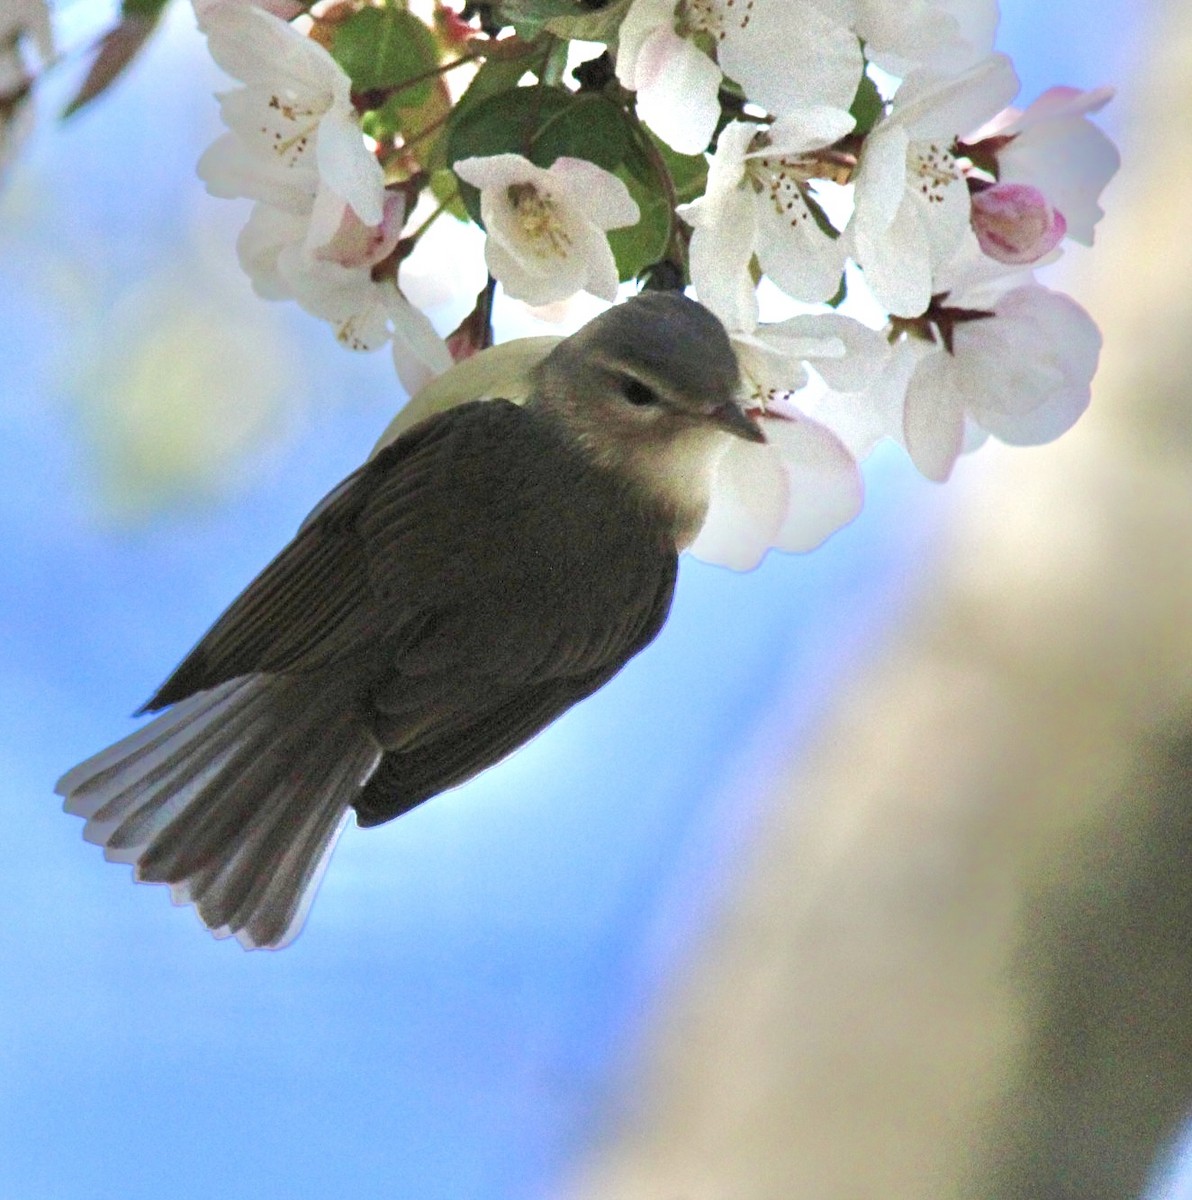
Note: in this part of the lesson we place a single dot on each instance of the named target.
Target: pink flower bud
(355, 244)
(1015, 224)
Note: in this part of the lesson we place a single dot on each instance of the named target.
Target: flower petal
(934, 105)
(810, 127)
(720, 254)
(896, 262)
(419, 354)
(598, 194)
(791, 54)
(1027, 373)
(748, 505)
(933, 420)
(826, 490)
(642, 20)
(804, 261)
(230, 170)
(677, 87)
(861, 419)
(348, 168)
(1070, 161)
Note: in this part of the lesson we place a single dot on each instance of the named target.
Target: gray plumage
(477, 577)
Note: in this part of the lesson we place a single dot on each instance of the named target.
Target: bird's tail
(235, 797)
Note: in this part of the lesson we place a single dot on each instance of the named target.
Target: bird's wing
(311, 603)
(504, 719)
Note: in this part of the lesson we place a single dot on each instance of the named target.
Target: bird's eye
(637, 393)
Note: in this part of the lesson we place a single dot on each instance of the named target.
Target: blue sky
(470, 975)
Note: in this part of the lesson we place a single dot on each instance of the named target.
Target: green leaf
(502, 124)
(587, 126)
(496, 75)
(381, 48)
(591, 24)
(636, 247)
(529, 17)
(445, 188)
(555, 62)
(689, 172)
(867, 106)
(422, 128)
(542, 124)
(149, 9)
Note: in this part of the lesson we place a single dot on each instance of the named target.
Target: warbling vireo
(478, 576)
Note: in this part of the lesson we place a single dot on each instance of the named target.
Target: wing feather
(457, 752)
(315, 600)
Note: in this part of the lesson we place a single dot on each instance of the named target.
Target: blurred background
(869, 878)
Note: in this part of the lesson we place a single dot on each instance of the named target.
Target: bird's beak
(732, 419)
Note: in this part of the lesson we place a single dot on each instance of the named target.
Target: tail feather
(108, 785)
(127, 825)
(234, 797)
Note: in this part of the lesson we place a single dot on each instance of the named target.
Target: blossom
(912, 207)
(547, 226)
(1015, 224)
(758, 201)
(785, 54)
(364, 312)
(294, 114)
(1016, 365)
(942, 35)
(803, 484)
(790, 494)
(1054, 147)
(323, 218)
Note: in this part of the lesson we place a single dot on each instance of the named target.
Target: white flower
(323, 218)
(546, 227)
(295, 111)
(419, 354)
(862, 415)
(790, 494)
(784, 53)
(1016, 365)
(274, 253)
(338, 235)
(1053, 146)
(943, 35)
(364, 313)
(756, 203)
(803, 485)
(912, 200)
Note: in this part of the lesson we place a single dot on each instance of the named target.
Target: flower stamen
(538, 218)
(714, 16)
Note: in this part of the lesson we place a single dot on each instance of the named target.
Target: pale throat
(678, 477)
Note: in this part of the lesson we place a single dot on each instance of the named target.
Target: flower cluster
(324, 225)
(828, 151)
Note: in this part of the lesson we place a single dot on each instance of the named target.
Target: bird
(479, 575)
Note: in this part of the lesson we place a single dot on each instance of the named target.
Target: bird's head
(649, 388)
(652, 368)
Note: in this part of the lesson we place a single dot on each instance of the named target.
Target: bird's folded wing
(499, 720)
(314, 601)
